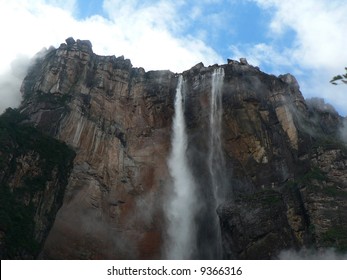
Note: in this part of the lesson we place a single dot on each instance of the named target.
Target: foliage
(60, 100)
(336, 237)
(333, 191)
(265, 197)
(339, 78)
(17, 209)
(19, 138)
(17, 221)
(314, 174)
(330, 143)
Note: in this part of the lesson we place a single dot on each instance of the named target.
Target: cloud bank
(10, 82)
(317, 51)
(148, 32)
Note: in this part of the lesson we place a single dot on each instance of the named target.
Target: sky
(305, 38)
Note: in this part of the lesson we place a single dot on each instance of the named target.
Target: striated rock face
(256, 226)
(285, 169)
(302, 199)
(118, 120)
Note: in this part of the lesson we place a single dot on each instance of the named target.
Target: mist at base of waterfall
(312, 254)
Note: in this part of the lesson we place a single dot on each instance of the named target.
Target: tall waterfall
(180, 211)
(216, 162)
(216, 158)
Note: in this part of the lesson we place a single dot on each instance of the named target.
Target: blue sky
(218, 23)
(306, 38)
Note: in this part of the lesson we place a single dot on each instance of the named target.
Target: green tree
(340, 78)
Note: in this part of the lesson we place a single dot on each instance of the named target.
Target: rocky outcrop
(34, 170)
(284, 165)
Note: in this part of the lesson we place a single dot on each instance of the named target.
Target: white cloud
(319, 48)
(264, 54)
(27, 27)
(320, 26)
(152, 33)
(196, 12)
(10, 82)
(149, 33)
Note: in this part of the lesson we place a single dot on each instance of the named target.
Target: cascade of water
(181, 242)
(216, 162)
(216, 159)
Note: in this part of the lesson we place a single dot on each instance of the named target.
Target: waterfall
(216, 162)
(180, 213)
(191, 211)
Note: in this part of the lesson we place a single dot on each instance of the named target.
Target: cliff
(118, 120)
(34, 170)
(282, 166)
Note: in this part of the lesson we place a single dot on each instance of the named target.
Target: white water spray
(180, 212)
(216, 161)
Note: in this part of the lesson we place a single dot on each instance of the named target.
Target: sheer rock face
(34, 170)
(118, 118)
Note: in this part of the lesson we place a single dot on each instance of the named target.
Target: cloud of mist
(181, 204)
(320, 105)
(317, 52)
(312, 254)
(10, 82)
(343, 131)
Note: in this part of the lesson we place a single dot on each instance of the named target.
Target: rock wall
(299, 191)
(285, 170)
(118, 120)
(34, 171)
